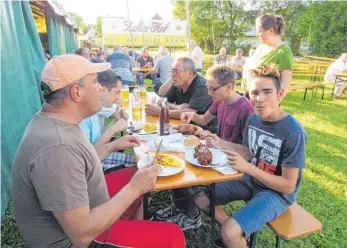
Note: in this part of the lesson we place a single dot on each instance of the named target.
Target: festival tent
(22, 60)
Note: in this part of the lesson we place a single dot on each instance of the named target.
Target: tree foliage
(98, 27)
(322, 23)
(79, 21)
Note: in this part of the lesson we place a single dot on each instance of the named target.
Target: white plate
(219, 158)
(166, 170)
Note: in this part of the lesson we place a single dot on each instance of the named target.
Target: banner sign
(144, 33)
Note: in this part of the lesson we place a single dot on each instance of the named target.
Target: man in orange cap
(60, 195)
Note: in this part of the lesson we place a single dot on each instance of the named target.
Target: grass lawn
(323, 190)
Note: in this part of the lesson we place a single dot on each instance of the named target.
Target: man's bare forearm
(240, 149)
(277, 183)
(200, 120)
(176, 114)
(103, 151)
(93, 222)
(165, 87)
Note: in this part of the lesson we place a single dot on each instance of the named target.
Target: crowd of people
(73, 186)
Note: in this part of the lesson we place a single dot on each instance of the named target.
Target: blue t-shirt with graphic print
(274, 145)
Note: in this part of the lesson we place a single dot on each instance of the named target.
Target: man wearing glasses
(186, 90)
(231, 109)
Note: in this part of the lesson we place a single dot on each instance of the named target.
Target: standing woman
(269, 29)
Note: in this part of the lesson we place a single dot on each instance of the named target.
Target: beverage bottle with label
(164, 118)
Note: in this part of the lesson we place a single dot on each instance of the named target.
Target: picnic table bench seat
(294, 223)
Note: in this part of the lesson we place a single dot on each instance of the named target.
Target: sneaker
(166, 213)
(218, 243)
(185, 222)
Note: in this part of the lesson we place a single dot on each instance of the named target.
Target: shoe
(218, 243)
(185, 222)
(166, 213)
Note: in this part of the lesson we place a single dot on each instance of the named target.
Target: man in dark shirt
(145, 61)
(188, 93)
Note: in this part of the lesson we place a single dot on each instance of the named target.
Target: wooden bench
(294, 223)
(306, 86)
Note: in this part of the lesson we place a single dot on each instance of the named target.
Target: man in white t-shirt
(197, 55)
(238, 62)
(338, 66)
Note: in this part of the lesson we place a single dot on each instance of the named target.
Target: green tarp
(22, 61)
(61, 37)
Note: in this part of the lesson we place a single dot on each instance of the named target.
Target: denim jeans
(141, 79)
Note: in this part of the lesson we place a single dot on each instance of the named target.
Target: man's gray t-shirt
(276, 145)
(164, 65)
(56, 168)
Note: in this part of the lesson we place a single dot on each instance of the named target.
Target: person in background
(221, 58)
(61, 197)
(121, 63)
(197, 55)
(162, 67)
(84, 52)
(145, 61)
(272, 156)
(126, 51)
(98, 135)
(231, 109)
(338, 66)
(269, 29)
(238, 62)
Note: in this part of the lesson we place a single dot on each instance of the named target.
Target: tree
(327, 24)
(228, 17)
(98, 27)
(78, 20)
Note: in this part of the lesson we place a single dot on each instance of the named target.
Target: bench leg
(253, 240)
(278, 241)
(305, 93)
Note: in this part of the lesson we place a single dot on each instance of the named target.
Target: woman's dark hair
(276, 22)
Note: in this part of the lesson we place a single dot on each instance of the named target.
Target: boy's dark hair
(268, 71)
(109, 79)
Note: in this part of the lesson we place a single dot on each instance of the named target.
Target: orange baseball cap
(67, 69)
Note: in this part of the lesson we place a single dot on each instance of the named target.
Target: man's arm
(165, 87)
(108, 133)
(176, 114)
(285, 183)
(286, 78)
(83, 224)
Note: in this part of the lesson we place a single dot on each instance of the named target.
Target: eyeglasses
(213, 90)
(260, 31)
(176, 71)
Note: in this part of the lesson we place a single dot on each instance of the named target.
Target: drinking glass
(136, 108)
(125, 93)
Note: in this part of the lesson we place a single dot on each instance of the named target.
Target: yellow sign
(144, 40)
(40, 23)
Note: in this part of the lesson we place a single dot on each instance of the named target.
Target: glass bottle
(164, 118)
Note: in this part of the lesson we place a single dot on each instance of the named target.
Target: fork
(148, 157)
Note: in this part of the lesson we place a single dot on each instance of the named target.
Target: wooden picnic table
(342, 77)
(190, 176)
(143, 69)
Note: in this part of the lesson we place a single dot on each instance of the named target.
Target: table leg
(332, 93)
(212, 210)
(145, 206)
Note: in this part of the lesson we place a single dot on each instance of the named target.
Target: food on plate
(167, 160)
(187, 128)
(191, 141)
(202, 134)
(150, 128)
(203, 154)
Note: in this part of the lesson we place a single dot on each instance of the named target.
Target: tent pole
(131, 34)
(188, 24)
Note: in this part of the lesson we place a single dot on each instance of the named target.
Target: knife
(158, 150)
